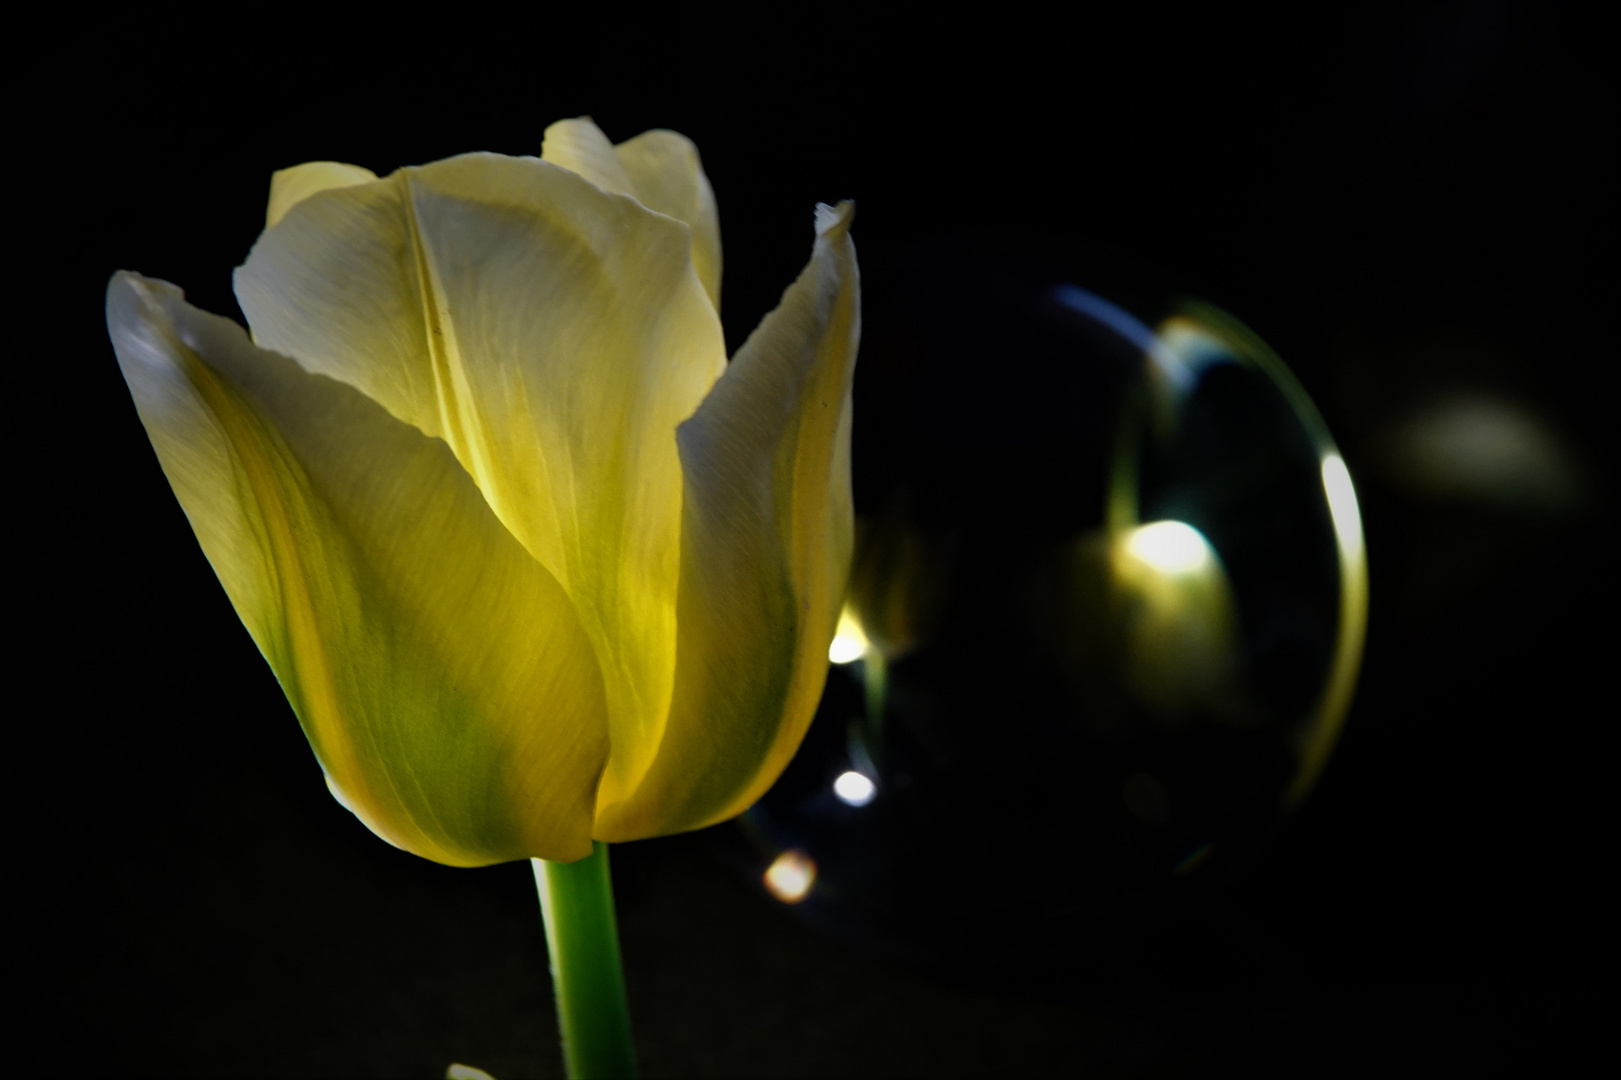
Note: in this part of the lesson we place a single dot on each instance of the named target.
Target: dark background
(1405, 202)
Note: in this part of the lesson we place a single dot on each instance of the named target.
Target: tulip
(534, 565)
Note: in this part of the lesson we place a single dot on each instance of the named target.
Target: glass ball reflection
(1104, 622)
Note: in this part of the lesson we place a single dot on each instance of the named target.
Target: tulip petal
(554, 335)
(767, 534)
(660, 169)
(440, 673)
(289, 187)
(666, 176)
(580, 147)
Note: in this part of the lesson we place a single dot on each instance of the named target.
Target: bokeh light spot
(854, 789)
(1485, 451)
(790, 876)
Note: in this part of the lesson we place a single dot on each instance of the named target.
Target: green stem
(577, 905)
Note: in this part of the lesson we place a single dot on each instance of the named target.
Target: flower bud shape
(534, 564)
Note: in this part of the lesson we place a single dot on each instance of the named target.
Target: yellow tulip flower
(533, 563)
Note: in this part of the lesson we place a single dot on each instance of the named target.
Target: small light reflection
(466, 1072)
(1194, 859)
(854, 789)
(849, 642)
(1171, 547)
(790, 876)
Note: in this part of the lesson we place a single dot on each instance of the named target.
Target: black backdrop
(1399, 201)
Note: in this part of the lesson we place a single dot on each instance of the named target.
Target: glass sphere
(1104, 621)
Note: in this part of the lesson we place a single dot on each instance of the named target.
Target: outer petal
(554, 335)
(660, 169)
(765, 552)
(440, 673)
(289, 187)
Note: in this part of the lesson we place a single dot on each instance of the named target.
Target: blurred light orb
(1109, 597)
(854, 789)
(1475, 449)
(791, 876)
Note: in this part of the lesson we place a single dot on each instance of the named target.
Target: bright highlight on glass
(1342, 504)
(1171, 547)
(1336, 699)
(854, 789)
(790, 876)
(849, 642)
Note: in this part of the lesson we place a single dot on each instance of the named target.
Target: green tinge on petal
(766, 543)
(440, 673)
(554, 335)
(289, 187)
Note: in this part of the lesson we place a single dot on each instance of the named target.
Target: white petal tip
(140, 329)
(829, 218)
(129, 281)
